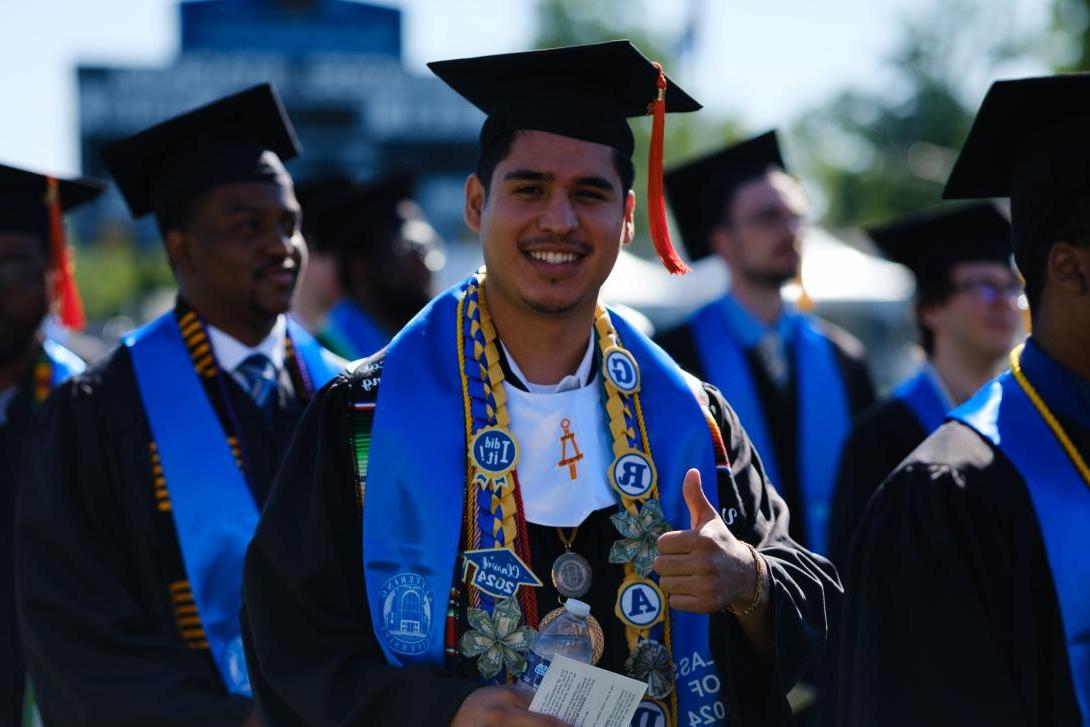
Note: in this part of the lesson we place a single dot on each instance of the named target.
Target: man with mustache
(153, 465)
(796, 381)
(517, 445)
(35, 276)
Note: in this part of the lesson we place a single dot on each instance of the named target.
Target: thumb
(701, 511)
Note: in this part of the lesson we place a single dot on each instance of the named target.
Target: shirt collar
(581, 377)
(230, 352)
(749, 331)
(1064, 392)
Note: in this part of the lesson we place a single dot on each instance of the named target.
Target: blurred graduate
(150, 468)
(35, 279)
(967, 582)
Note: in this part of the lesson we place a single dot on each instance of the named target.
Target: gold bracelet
(758, 562)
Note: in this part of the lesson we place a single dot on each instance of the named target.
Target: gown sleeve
(313, 655)
(804, 587)
(94, 653)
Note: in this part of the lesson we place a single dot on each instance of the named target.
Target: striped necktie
(260, 376)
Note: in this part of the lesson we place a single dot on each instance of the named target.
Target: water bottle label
(536, 666)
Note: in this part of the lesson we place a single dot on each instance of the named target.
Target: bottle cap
(577, 608)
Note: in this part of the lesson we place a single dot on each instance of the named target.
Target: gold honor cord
(1047, 415)
(491, 376)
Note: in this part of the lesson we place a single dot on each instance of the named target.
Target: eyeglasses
(15, 273)
(987, 291)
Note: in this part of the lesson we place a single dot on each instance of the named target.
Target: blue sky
(763, 61)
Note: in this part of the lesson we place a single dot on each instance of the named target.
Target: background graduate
(385, 253)
(966, 310)
(967, 581)
(35, 276)
(150, 468)
(796, 381)
(410, 629)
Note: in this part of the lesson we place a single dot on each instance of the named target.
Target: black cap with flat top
(698, 191)
(1029, 142)
(584, 92)
(244, 137)
(24, 199)
(930, 243)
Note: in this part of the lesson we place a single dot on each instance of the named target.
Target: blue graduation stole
(824, 417)
(352, 330)
(415, 486)
(1003, 414)
(65, 364)
(926, 401)
(214, 512)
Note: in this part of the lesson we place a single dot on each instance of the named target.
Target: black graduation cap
(25, 198)
(698, 190)
(932, 242)
(243, 137)
(34, 204)
(584, 92)
(1028, 142)
(347, 215)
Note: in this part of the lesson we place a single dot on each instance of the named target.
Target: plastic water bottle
(567, 634)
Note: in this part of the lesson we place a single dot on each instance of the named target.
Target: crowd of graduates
(262, 506)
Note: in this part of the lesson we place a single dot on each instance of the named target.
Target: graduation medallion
(495, 451)
(571, 575)
(621, 369)
(597, 638)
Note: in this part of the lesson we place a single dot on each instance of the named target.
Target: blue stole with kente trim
(824, 416)
(416, 479)
(214, 513)
(1003, 414)
(924, 398)
(351, 329)
(65, 364)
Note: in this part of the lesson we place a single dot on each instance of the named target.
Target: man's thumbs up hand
(704, 569)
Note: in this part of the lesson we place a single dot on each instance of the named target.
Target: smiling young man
(967, 314)
(796, 381)
(967, 582)
(34, 278)
(152, 466)
(517, 445)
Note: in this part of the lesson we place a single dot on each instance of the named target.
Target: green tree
(876, 155)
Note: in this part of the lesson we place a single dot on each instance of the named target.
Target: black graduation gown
(96, 557)
(781, 407)
(879, 441)
(951, 616)
(13, 439)
(313, 655)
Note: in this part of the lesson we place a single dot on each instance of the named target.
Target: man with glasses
(795, 381)
(34, 278)
(967, 314)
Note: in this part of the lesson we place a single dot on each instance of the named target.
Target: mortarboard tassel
(64, 286)
(656, 202)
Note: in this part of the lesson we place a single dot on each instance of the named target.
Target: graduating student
(968, 577)
(967, 315)
(151, 467)
(385, 254)
(796, 381)
(516, 445)
(35, 275)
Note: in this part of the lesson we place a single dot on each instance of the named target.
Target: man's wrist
(752, 600)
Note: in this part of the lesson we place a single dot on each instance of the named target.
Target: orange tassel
(64, 286)
(656, 200)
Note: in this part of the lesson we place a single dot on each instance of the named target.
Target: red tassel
(656, 201)
(64, 286)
